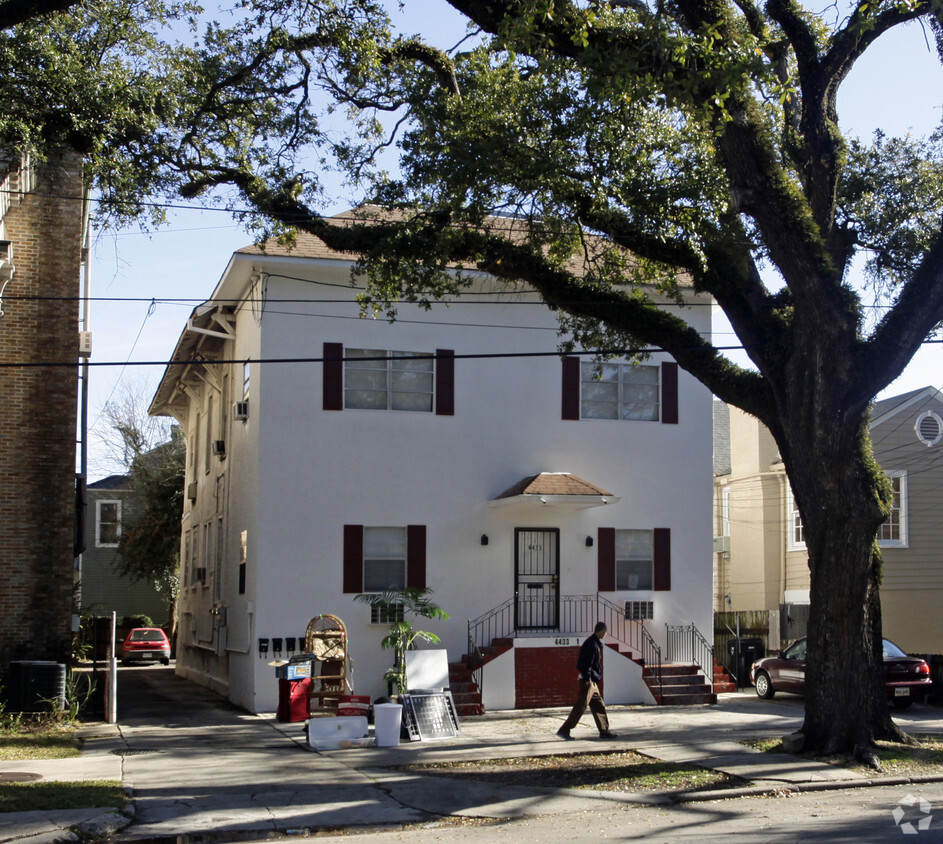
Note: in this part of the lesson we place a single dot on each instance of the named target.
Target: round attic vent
(929, 428)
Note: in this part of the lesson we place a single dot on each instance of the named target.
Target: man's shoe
(608, 734)
(565, 734)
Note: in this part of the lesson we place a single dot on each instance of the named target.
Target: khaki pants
(589, 696)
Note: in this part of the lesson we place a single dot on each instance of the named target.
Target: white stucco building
(330, 454)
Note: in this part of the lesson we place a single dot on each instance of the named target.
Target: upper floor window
(893, 533)
(619, 391)
(623, 391)
(107, 523)
(795, 539)
(377, 379)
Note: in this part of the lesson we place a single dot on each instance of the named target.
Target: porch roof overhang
(554, 489)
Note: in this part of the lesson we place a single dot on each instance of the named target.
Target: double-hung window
(795, 539)
(619, 391)
(107, 523)
(381, 559)
(384, 559)
(379, 379)
(893, 533)
(375, 379)
(634, 559)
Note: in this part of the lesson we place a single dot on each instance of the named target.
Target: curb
(789, 788)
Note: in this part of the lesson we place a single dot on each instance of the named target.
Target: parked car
(906, 678)
(146, 644)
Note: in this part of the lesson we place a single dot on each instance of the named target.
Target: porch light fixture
(484, 539)
(589, 542)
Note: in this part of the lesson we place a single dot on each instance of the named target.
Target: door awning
(554, 489)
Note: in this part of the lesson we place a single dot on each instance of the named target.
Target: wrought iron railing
(578, 614)
(684, 643)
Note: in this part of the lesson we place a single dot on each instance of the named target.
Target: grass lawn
(623, 770)
(24, 740)
(38, 742)
(48, 796)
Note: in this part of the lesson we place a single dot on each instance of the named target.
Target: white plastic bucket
(388, 719)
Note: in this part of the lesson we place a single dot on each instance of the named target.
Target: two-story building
(455, 449)
(103, 589)
(761, 561)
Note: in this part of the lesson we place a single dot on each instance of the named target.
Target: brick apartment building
(41, 227)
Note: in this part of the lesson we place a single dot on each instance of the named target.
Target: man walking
(589, 665)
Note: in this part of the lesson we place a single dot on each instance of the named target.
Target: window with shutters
(634, 559)
(379, 559)
(379, 379)
(620, 391)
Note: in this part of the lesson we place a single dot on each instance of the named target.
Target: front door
(536, 575)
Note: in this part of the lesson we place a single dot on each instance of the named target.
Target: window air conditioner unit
(721, 544)
(240, 411)
(191, 491)
(639, 610)
(85, 344)
(219, 448)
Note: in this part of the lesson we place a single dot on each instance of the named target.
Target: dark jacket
(589, 663)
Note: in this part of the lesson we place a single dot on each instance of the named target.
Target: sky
(894, 87)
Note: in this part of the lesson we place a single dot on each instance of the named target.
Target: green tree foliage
(153, 454)
(149, 547)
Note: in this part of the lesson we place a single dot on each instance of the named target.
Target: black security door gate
(536, 578)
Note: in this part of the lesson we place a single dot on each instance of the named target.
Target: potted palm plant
(400, 607)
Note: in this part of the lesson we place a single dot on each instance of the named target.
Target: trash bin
(388, 720)
(294, 691)
(743, 653)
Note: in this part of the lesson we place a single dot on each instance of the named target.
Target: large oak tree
(648, 140)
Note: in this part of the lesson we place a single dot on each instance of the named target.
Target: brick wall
(38, 417)
(545, 676)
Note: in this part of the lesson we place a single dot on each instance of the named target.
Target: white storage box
(338, 732)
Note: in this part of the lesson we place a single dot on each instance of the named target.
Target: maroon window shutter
(662, 543)
(669, 393)
(444, 382)
(353, 558)
(333, 363)
(416, 556)
(571, 388)
(606, 554)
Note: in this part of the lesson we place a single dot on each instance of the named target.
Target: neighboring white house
(330, 454)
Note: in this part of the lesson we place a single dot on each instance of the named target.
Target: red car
(146, 644)
(906, 678)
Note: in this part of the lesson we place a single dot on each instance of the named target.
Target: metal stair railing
(685, 643)
(578, 614)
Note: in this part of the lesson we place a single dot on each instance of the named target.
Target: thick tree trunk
(838, 489)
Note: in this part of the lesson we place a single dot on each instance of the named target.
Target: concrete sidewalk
(197, 766)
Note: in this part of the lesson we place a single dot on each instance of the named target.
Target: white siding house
(330, 454)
